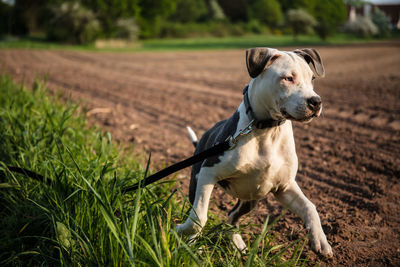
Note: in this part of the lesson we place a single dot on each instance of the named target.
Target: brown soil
(349, 157)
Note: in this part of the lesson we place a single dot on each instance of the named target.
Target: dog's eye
(313, 78)
(289, 79)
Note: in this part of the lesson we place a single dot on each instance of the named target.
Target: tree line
(82, 21)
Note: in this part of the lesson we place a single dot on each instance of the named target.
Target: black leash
(213, 151)
(31, 174)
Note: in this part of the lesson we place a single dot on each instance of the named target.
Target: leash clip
(233, 140)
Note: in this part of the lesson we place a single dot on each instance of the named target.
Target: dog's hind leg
(241, 208)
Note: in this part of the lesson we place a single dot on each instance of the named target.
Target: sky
(386, 2)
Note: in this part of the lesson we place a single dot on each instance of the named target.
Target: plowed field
(349, 158)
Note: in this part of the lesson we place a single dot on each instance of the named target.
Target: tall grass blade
(150, 251)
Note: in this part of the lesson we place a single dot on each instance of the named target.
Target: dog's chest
(259, 165)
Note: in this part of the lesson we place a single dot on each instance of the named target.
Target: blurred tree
(73, 23)
(307, 5)
(152, 13)
(113, 8)
(300, 21)
(361, 26)
(215, 10)
(109, 11)
(126, 28)
(26, 16)
(382, 21)
(266, 11)
(5, 18)
(330, 14)
(355, 3)
(189, 11)
(148, 14)
(235, 10)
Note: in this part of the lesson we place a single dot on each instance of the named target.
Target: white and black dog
(265, 160)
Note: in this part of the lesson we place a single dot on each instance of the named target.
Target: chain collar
(233, 139)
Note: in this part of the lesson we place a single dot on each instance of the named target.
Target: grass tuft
(78, 215)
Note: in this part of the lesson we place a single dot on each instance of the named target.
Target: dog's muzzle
(314, 107)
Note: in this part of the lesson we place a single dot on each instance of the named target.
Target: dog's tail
(192, 136)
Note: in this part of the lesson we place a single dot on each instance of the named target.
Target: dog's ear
(257, 59)
(311, 55)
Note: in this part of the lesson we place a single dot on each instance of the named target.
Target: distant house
(390, 7)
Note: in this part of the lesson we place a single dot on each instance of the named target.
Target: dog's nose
(314, 103)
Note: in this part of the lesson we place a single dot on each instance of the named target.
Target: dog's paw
(183, 229)
(239, 243)
(187, 228)
(320, 244)
(178, 228)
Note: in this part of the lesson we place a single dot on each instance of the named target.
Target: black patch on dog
(217, 134)
(192, 188)
(235, 207)
(242, 207)
(224, 184)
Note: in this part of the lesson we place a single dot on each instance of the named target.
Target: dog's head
(283, 82)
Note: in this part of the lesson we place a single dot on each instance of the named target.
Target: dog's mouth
(305, 119)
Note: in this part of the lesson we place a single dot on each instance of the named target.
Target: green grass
(78, 215)
(39, 43)
(245, 42)
(204, 43)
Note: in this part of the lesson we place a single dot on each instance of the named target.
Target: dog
(264, 159)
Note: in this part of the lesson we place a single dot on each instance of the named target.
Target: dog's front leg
(293, 197)
(198, 214)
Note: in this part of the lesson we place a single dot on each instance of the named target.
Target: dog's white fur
(266, 160)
